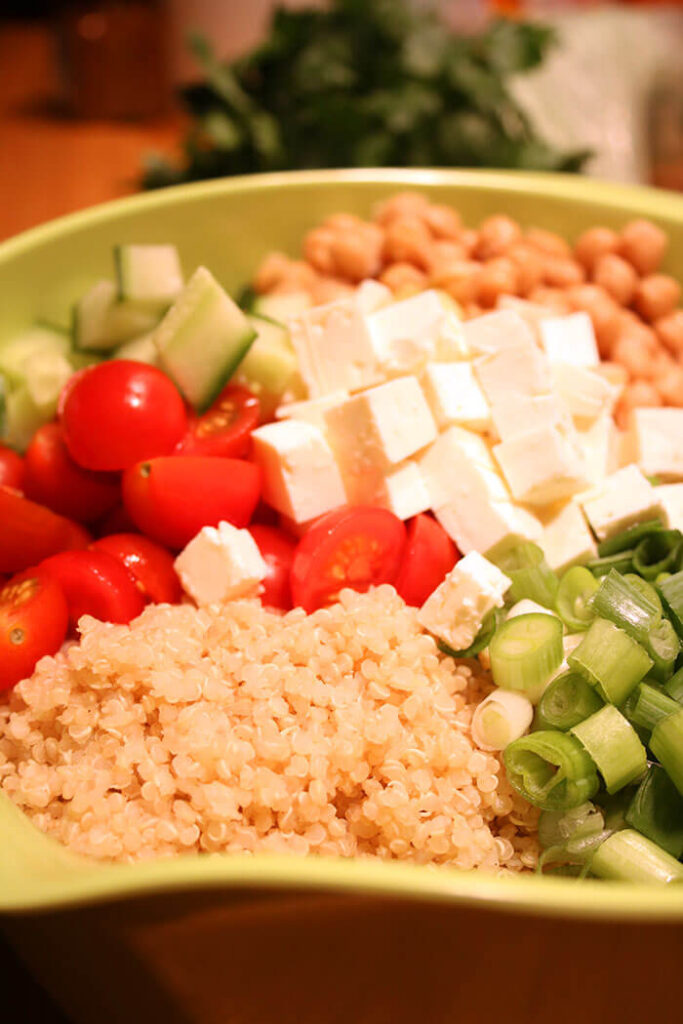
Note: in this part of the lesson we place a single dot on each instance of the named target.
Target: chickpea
(442, 256)
(299, 277)
(553, 298)
(548, 242)
(656, 296)
(403, 278)
(317, 249)
(601, 308)
(327, 289)
(636, 350)
(271, 271)
(593, 244)
(407, 240)
(462, 281)
(635, 396)
(356, 255)
(643, 244)
(670, 332)
(443, 221)
(561, 273)
(403, 204)
(669, 383)
(343, 222)
(529, 265)
(497, 277)
(616, 276)
(496, 235)
(469, 239)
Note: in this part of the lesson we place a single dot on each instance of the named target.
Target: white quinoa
(233, 728)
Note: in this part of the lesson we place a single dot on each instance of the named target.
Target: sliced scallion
(551, 770)
(524, 653)
(666, 743)
(501, 717)
(630, 857)
(614, 746)
(656, 811)
(618, 600)
(671, 590)
(611, 660)
(628, 539)
(622, 562)
(570, 837)
(573, 599)
(658, 552)
(663, 646)
(524, 563)
(646, 705)
(565, 702)
(644, 588)
(674, 686)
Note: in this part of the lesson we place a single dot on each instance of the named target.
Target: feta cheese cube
(455, 611)
(671, 497)
(301, 478)
(586, 394)
(599, 443)
(312, 410)
(334, 349)
(515, 414)
(476, 524)
(622, 500)
(459, 466)
(570, 339)
(409, 333)
(516, 371)
(492, 332)
(372, 295)
(542, 465)
(566, 538)
(454, 395)
(531, 312)
(404, 491)
(220, 564)
(656, 439)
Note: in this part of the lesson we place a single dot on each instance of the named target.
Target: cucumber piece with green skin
(45, 374)
(270, 368)
(22, 417)
(202, 339)
(140, 350)
(281, 307)
(36, 341)
(148, 276)
(101, 322)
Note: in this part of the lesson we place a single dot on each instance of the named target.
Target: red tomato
(11, 469)
(30, 532)
(226, 428)
(54, 479)
(171, 499)
(429, 555)
(149, 564)
(119, 412)
(356, 547)
(115, 521)
(277, 550)
(95, 583)
(33, 622)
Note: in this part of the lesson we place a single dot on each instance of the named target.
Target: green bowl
(229, 225)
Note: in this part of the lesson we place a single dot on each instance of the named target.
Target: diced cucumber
(202, 339)
(35, 341)
(141, 350)
(270, 368)
(280, 307)
(45, 374)
(101, 322)
(148, 276)
(22, 418)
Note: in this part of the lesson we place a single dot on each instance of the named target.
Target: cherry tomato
(95, 583)
(115, 521)
(33, 622)
(30, 532)
(54, 479)
(277, 550)
(429, 554)
(356, 547)
(119, 412)
(149, 564)
(171, 499)
(11, 469)
(226, 428)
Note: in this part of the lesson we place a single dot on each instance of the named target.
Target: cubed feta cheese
(566, 538)
(656, 439)
(542, 465)
(570, 339)
(622, 500)
(404, 491)
(409, 333)
(372, 295)
(476, 524)
(454, 395)
(599, 443)
(301, 478)
(586, 394)
(334, 348)
(531, 312)
(459, 466)
(220, 564)
(515, 414)
(516, 371)
(492, 332)
(671, 497)
(312, 410)
(455, 611)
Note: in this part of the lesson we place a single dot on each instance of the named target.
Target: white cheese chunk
(531, 312)
(512, 373)
(566, 538)
(599, 443)
(455, 611)
(301, 478)
(528, 607)
(622, 500)
(477, 523)
(454, 395)
(372, 295)
(220, 564)
(586, 394)
(542, 465)
(671, 497)
(570, 339)
(492, 332)
(409, 333)
(333, 347)
(656, 440)
(404, 491)
(312, 410)
(459, 466)
(515, 414)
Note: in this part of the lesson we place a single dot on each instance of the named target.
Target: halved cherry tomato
(29, 532)
(33, 622)
(149, 564)
(11, 468)
(170, 499)
(357, 547)
(429, 554)
(277, 550)
(95, 583)
(54, 479)
(119, 412)
(226, 428)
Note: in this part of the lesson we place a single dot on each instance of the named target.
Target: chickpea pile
(411, 244)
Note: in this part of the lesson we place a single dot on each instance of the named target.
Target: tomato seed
(17, 636)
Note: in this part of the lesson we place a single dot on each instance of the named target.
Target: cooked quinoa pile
(237, 729)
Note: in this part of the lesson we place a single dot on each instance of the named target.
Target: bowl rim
(90, 882)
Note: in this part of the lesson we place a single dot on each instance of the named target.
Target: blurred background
(101, 98)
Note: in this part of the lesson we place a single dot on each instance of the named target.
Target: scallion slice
(565, 702)
(622, 562)
(663, 646)
(501, 717)
(570, 837)
(573, 599)
(646, 705)
(551, 770)
(671, 590)
(628, 539)
(611, 660)
(629, 857)
(481, 640)
(524, 563)
(614, 746)
(658, 552)
(674, 686)
(646, 589)
(524, 653)
(666, 743)
(656, 811)
(627, 606)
